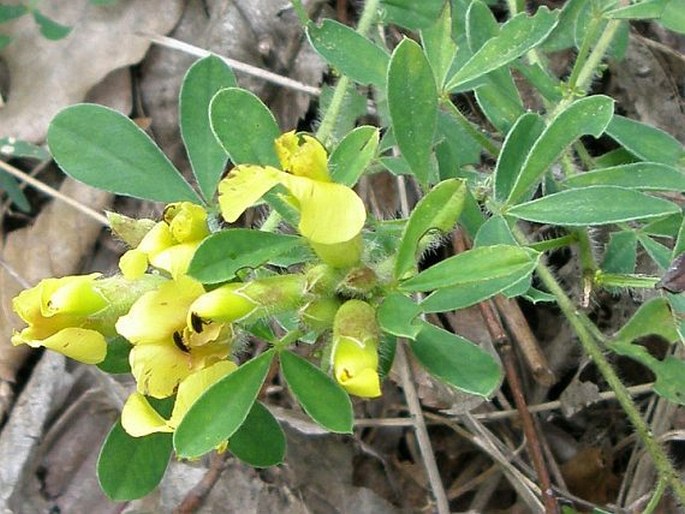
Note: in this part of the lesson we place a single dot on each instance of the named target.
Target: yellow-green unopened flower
(171, 243)
(248, 301)
(165, 350)
(74, 315)
(330, 213)
(355, 349)
(139, 418)
(57, 311)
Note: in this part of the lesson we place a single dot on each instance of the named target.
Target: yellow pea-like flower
(165, 349)
(139, 418)
(354, 355)
(330, 213)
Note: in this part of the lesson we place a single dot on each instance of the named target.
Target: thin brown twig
(198, 494)
(54, 193)
(501, 342)
(421, 431)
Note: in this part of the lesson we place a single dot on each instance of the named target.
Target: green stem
(482, 139)
(330, 117)
(584, 52)
(578, 322)
(584, 69)
(656, 497)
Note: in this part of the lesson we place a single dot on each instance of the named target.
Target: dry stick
(501, 341)
(248, 69)
(526, 340)
(503, 414)
(420, 429)
(198, 494)
(518, 327)
(37, 184)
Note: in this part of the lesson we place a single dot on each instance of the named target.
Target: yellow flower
(59, 313)
(171, 243)
(165, 350)
(355, 349)
(139, 418)
(330, 213)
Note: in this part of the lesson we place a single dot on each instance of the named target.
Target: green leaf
(221, 410)
(673, 16)
(589, 115)
(349, 52)
(10, 12)
(466, 294)
(456, 361)
(639, 175)
(245, 127)
(50, 28)
(670, 373)
(659, 253)
(104, 149)
(130, 467)
(517, 36)
(207, 157)
(646, 142)
(498, 97)
(353, 155)
(260, 441)
(396, 315)
(410, 13)
(221, 255)
(563, 35)
(439, 46)
(621, 253)
(520, 139)
(323, 399)
(644, 10)
(4, 41)
(473, 266)
(13, 147)
(9, 185)
(654, 317)
(116, 361)
(439, 210)
(593, 205)
(456, 148)
(413, 104)
(495, 231)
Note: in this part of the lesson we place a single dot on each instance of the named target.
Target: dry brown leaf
(55, 245)
(46, 76)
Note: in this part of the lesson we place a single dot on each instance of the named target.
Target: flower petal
(139, 418)
(159, 367)
(354, 367)
(156, 315)
(73, 294)
(303, 155)
(187, 221)
(81, 344)
(242, 188)
(329, 213)
(175, 259)
(133, 264)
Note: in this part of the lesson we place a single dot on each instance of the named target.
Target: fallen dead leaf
(46, 76)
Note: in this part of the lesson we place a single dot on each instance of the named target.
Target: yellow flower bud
(354, 356)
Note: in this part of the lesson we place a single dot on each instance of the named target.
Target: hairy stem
(330, 117)
(579, 323)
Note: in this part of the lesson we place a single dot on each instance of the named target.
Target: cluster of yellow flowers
(182, 333)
